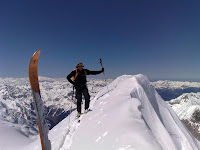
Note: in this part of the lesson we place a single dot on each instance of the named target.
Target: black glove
(102, 70)
(74, 83)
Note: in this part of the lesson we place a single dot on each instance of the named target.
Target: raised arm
(94, 72)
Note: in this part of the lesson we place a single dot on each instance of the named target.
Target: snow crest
(127, 115)
(161, 119)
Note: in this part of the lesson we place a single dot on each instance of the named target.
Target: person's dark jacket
(81, 78)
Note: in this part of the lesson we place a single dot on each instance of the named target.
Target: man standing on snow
(79, 82)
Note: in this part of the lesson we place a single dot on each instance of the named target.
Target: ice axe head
(101, 62)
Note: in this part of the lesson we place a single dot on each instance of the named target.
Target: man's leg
(87, 97)
(79, 99)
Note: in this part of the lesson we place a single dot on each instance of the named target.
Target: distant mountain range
(172, 89)
(16, 99)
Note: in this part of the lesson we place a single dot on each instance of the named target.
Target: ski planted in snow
(38, 103)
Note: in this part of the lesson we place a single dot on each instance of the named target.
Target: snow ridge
(174, 132)
(131, 115)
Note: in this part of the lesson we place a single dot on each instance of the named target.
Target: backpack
(74, 77)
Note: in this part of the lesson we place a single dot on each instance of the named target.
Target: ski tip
(34, 60)
(37, 52)
(33, 75)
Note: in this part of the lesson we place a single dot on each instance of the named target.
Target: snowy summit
(130, 116)
(187, 107)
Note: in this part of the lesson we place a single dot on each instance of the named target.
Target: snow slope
(16, 105)
(131, 116)
(11, 138)
(187, 107)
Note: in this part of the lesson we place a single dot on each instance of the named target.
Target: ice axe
(104, 75)
(101, 65)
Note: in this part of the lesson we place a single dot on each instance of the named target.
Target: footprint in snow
(104, 103)
(97, 140)
(105, 133)
(101, 103)
(125, 147)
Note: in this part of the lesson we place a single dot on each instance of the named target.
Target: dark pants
(79, 91)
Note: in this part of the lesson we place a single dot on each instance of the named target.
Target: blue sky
(160, 39)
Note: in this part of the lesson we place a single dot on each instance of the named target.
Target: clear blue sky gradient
(160, 39)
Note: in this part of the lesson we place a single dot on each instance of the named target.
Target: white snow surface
(186, 105)
(130, 116)
(11, 138)
(17, 116)
(16, 99)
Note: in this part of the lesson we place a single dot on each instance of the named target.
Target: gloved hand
(74, 83)
(102, 70)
